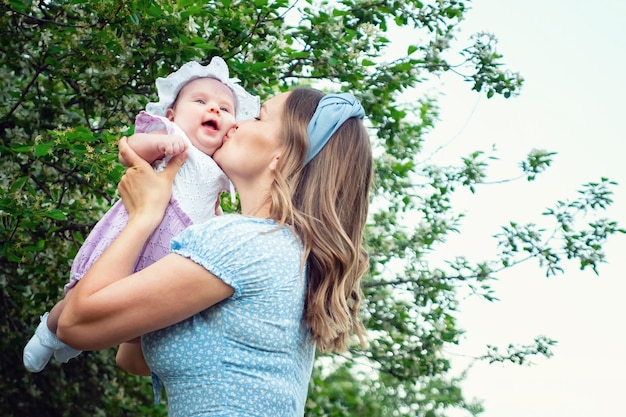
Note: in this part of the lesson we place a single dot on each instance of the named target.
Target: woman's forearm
(83, 308)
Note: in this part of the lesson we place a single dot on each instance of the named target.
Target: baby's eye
(226, 109)
(200, 101)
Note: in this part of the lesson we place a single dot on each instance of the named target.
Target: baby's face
(205, 111)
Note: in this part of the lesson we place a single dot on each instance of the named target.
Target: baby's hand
(170, 145)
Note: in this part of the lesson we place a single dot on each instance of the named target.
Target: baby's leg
(53, 316)
(44, 343)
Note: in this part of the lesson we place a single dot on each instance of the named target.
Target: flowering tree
(75, 73)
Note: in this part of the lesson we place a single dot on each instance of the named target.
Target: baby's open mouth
(211, 124)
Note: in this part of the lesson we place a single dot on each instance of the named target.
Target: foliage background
(73, 76)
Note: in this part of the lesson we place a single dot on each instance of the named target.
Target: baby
(197, 107)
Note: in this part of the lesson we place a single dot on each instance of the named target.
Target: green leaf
(183, 4)
(56, 214)
(298, 54)
(18, 184)
(21, 148)
(43, 148)
(19, 5)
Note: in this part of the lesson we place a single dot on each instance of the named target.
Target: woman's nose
(232, 130)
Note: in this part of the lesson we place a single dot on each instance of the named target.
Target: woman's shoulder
(222, 243)
(238, 230)
(231, 225)
(238, 220)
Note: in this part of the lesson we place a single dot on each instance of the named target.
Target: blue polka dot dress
(251, 354)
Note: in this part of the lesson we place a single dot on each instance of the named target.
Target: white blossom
(192, 26)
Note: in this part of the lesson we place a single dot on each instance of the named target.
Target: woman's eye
(257, 118)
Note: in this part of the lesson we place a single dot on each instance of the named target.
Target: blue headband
(332, 111)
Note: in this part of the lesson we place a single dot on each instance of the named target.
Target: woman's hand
(144, 192)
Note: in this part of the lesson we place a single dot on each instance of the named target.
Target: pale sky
(572, 55)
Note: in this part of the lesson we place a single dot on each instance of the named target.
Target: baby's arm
(155, 145)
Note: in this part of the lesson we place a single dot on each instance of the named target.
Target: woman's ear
(169, 113)
(274, 162)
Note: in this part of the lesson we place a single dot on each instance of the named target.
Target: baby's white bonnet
(246, 105)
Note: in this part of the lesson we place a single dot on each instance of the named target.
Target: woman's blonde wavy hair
(326, 202)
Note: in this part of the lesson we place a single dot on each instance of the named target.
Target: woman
(231, 318)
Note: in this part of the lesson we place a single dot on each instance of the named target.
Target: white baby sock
(43, 345)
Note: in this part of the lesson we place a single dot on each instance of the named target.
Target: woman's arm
(103, 311)
(110, 306)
